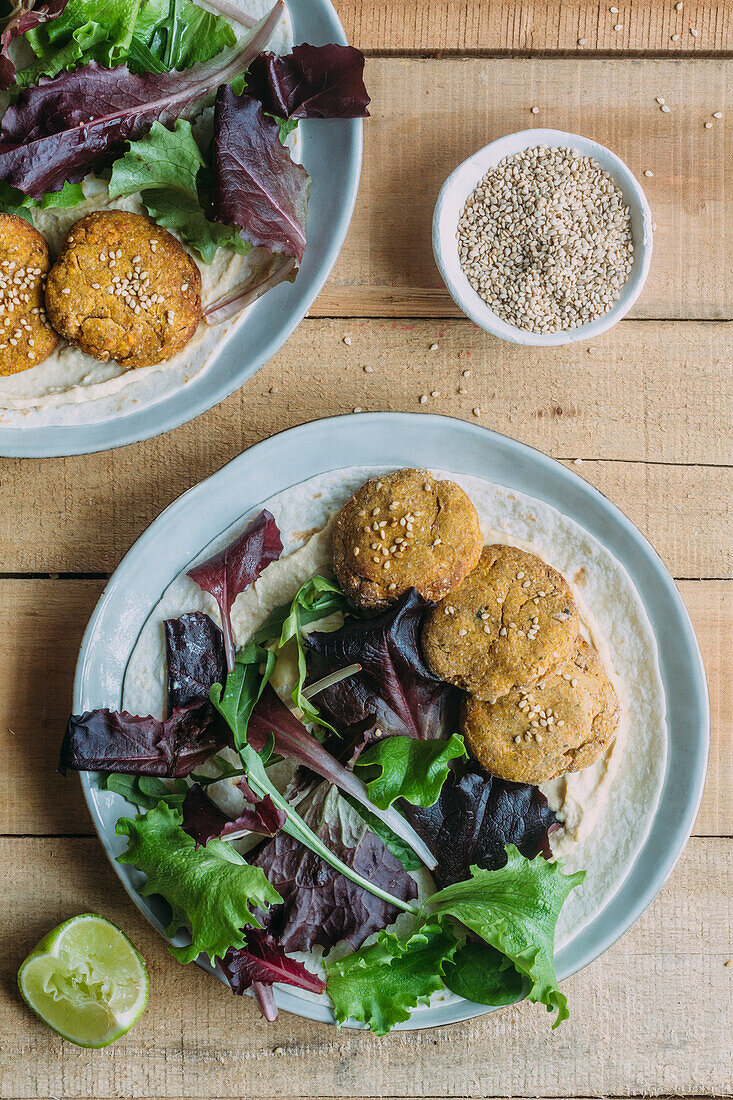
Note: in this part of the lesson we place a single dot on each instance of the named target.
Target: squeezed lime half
(86, 980)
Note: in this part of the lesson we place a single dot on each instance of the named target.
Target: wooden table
(647, 410)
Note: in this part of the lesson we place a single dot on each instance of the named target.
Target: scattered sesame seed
(675, 38)
(693, 32)
(392, 586)
(577, 461)
(433, 347)
(613, 11)
(581, 41)
(356, 551)
(347, 341)
(358, 409)
(517, 739)
(618, 27)
(717, 114)
(678, 5)
(502, 632)
(368, 369)
(462, 632)
(660, 100)
(648, 172)
(462, 389)
(66, 290)
(184, 286)
(664, 109)
(535, 110)
(466, 373)
(477, 411)
(423, 399)
(435, 393)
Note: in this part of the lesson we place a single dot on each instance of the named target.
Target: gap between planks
(44, 624)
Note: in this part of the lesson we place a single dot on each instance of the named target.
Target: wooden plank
(534, 26)
(44, 621)
(430, 115)
(646, 393)
(649, 1016)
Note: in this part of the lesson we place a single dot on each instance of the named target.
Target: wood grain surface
(644, 413)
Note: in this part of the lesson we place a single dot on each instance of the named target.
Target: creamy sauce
(70, 386)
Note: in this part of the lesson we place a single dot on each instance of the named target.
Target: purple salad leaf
(263, 960)
(320, 905)
(311, 82)
(110, 741)
(194, 647)
(77, 122)
(24, 17)
(203, 820)
(474, 819)
(235, 568)
(395, 690)
(292, 740)
(256, 185)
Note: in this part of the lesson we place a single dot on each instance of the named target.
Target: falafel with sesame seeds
(404, 530)
(512, 621)
(563, 724)
(26, 338)
(124, 289)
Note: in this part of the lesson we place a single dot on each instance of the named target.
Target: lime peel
(86, 980)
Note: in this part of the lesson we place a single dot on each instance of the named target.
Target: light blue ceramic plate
(189, 524)
(332, 153)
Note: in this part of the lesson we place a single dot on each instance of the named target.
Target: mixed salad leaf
(211, 890)
(321, 906)
(310, 82)
(335, 853)
(476, 816)
(24, 17)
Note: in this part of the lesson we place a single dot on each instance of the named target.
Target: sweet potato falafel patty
(26, 338)
(124, 289)
(512, 621)
(563, 724)
(404, 530)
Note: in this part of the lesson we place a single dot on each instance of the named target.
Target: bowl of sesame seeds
(543, 238)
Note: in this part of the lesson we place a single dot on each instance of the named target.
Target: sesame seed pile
(545, 239)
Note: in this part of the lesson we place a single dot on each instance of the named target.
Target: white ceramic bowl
(462, 182)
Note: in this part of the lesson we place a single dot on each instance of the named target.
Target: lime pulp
(86, 980)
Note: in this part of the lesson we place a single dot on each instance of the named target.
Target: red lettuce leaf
(263, 960)
(311, 82)
(395, 690)
(109, 741)
(320, 905)
(194, 647)
(256, 184)
(474, 819)
(24, 17)
(77, 122)
(203, 820)
(235, 567)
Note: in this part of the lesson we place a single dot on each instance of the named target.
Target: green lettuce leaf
(379, 985)
(404, 767)
(314, 600)
(482, 974)
(236, 701)
(515, 910)
(211, 890)
(177, 34)
(165, 166)
(98, 30)
(13, 201)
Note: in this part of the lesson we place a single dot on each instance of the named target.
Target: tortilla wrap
(610, 806)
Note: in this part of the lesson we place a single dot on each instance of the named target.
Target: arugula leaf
(314, 600)
(482, 974)
(212, 890)
(165, 166)
(244, 686)
(515, 910)
(379, 985)
(146, 790)
(406, 768)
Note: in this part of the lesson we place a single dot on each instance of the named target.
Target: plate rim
(620, 910)
(180, 407)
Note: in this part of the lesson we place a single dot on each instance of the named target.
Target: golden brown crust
(512, 621)
(26, 338)
(124, 289)
(404, 530)
(565, 723)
